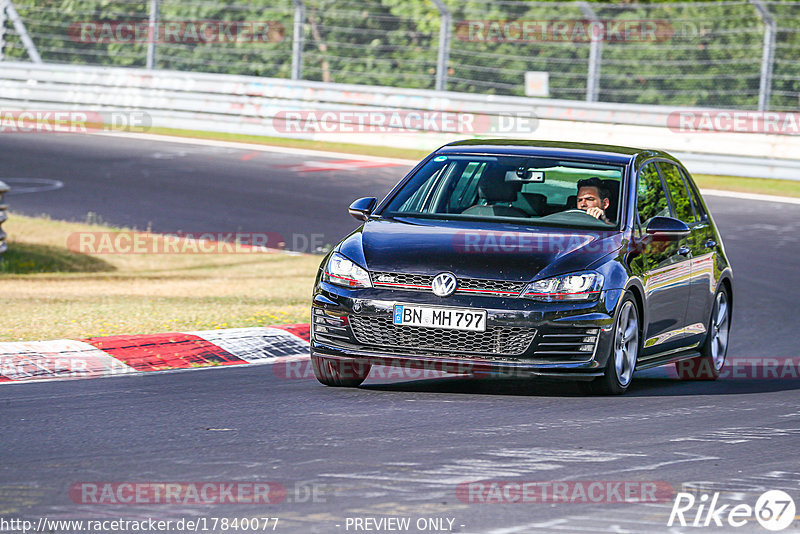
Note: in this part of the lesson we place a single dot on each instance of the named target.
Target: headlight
(576, 286)
(343, 272)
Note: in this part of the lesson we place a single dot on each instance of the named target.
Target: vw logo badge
(444, 284)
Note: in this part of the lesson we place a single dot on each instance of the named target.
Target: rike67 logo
(774, 510)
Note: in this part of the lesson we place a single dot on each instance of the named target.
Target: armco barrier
(252, 96)
(3, 216)
(249, 105)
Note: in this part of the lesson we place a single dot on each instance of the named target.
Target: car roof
(553, 149)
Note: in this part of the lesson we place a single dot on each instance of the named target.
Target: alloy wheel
(719, 330)
(626, 343)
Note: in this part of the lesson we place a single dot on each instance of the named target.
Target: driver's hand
(597, 213)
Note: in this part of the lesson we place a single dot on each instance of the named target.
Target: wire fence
(733, 54)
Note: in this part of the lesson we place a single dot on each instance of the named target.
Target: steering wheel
(575, 210)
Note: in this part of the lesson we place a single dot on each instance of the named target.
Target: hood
(476, 249)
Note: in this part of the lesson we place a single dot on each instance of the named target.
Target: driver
(593, 198)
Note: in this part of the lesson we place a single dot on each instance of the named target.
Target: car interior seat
(613, 198)
(572, 202)
(495, 195)
(532, 203)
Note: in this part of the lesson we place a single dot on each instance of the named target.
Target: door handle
(711, 243)
(684, 250)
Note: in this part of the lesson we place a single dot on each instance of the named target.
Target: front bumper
(522, 338)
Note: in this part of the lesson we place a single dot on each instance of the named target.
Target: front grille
(402, 280)
(476, 285)
(422, 282)
(566, 344)
(381, 332)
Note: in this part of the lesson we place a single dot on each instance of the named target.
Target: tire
(339, 373)
(708, 365)
(618, 372)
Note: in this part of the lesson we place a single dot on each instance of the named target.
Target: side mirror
(361, 208)
(667, 228)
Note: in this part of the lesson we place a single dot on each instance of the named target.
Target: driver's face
(589, 197)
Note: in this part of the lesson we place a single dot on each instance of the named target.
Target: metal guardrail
(249, 105)
(258, 97)
(3, 217)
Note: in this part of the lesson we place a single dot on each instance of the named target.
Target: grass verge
(51, 292)
(764, 186)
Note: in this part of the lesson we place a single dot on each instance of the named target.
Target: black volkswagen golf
(528, 258)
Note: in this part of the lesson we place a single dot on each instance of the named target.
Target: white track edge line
(257, 147)
(751, 196)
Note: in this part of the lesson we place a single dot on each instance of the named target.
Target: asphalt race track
(393, 448)
(172, 187)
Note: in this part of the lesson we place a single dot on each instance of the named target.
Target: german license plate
(434, 317)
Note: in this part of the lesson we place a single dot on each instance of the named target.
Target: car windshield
(515, 189)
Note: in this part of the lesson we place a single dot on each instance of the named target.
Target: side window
(464, 192)
(652, 201)
(698, 206)
(681, 202)
(423, 198)
(416, 201)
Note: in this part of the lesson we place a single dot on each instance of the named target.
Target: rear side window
(699, 210)
(651, 201)
(681, 203)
